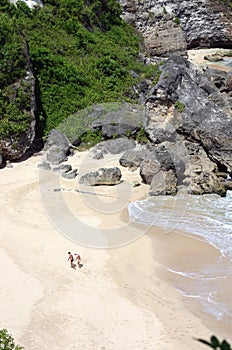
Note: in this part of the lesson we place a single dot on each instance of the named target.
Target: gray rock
(9, 164)
(228, 81)
(119, 145)
(103, 176)
(56, 147)
(62, 168)
(70, 174)
(114, 119)
(163, 183)
(98, 155)
(188, 112)
(169, 26)
(44, 165)
(133, 158)
(148, 168)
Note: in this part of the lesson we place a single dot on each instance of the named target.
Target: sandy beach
(122, 298)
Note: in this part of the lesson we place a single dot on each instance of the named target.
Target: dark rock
(62, 168)
(163, 183)
(103, 176)
(213, 57)
(56, 147)
(70, 174)
(228, 81)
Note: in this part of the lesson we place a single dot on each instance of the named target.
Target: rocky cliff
(172, 26)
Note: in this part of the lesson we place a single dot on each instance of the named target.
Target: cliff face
(172, 26)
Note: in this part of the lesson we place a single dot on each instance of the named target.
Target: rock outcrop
(14, 145)
(196, 132)
(172, 26)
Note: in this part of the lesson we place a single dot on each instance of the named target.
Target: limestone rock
(188, 112)
(171, 26)
(163, 183)
(148, 168)
(103, 176)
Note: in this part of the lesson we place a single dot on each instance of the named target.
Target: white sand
(116, 301)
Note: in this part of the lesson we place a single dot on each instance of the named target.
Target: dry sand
(120, 299)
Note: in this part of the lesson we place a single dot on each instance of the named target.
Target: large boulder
(57, 147)
(103, 176)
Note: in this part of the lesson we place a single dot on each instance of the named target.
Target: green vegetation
(216, 344)
(180, 107)
(177, 20)
(141, 136)
(7, 341)
(90, 138)
(81, 52)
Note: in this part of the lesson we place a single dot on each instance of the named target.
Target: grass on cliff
(81, 51)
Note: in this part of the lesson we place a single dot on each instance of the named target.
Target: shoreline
(118, 292)
(184, 260)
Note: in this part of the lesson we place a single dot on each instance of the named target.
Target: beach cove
(122, 298)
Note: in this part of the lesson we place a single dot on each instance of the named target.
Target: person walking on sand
(78, 259)
(70, 258)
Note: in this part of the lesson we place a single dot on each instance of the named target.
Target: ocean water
(209, 218)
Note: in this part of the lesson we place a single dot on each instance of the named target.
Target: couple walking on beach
(77, 259)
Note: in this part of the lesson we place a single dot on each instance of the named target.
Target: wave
(209, 216)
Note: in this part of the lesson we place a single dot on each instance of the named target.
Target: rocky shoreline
(188, 129)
